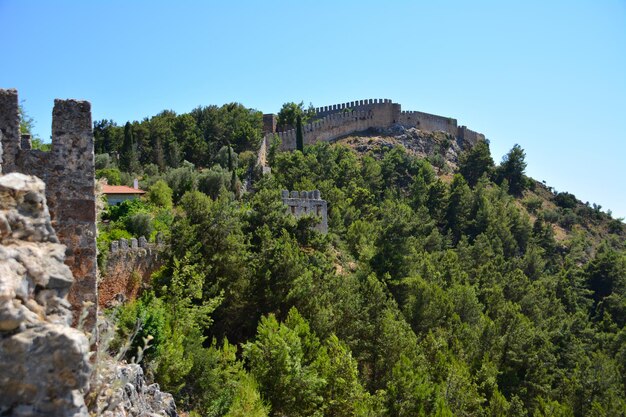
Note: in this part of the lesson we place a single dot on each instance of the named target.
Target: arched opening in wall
(293, 209)
(318, 210)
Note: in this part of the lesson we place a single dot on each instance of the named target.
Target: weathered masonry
(332, 122)
(68, 172)
(307, 202)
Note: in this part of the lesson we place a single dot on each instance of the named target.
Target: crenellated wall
(130, 264)
(69, 175)
(300, 203)
(332, 122)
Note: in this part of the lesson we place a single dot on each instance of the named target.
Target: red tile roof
(121, 189)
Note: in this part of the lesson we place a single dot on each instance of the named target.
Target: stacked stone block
(69, 174)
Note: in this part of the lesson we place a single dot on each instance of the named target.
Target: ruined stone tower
(307, 202)
(68, 172)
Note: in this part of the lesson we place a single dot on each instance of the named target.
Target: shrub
(211, 181)
(550, 216)
(113, 175)
(565, 200)
(532, 204)
(181, 180)
(139, 224)
(102, 161)
(160, 194)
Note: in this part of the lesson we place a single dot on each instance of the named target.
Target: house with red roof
(115, 194)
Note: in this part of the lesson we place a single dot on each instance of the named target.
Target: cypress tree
(299, 136)
(128, 155)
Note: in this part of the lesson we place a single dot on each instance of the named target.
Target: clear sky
(549, 75)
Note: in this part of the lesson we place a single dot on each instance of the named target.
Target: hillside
(446, 284)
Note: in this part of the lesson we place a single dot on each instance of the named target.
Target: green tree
(289, 112)
(129, 161)
(475, 162)
(512, 170)
(286, 378)
(160, 194)
(299, 135)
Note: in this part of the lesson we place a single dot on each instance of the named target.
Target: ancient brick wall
(69, 175)
(469, 136)
(129, 266)
(307, 202)
(428, 122)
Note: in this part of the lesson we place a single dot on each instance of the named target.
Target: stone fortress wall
(69, 174)
(333, 122)
(129, 266)
(307, 202)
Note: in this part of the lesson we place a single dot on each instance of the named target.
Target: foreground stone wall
(44, 366)
(69, 174)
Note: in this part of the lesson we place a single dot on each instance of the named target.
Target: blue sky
(550, 76)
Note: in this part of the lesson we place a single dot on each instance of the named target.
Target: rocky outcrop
(44, 363)
(126, 393)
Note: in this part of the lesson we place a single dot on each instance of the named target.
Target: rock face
(44, 363)
(127, 394)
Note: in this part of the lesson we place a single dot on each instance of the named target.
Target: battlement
(300, 203)
(366, 104)
(69, 174)
(337, 120)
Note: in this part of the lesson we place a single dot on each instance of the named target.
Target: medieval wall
(469, 136)
(428, 122)
(130, 264)
(69, 174)
(307, 202)
(333, 122)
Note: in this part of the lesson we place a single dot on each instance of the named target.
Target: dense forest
(470, 290)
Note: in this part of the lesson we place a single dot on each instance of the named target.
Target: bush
(213, 180)
(532, 204)
(550, 216)
(113, 175)
(102, 161)
(565, 200)
(160, 194)
(181, 180)
(568, 219)
(139, 224)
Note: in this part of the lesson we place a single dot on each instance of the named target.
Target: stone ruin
(69, 174)
(307, 203)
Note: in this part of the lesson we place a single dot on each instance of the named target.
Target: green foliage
(476, 162)
(112, 175)
(160, 194)
(565, 200)
(299, 134)
(426, 297)
(289, 113)
(512, 170)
